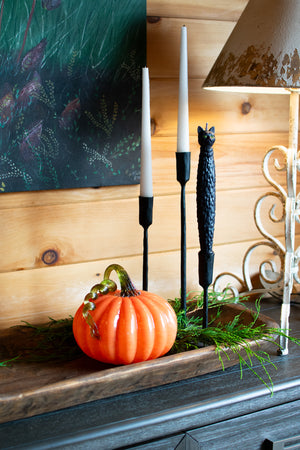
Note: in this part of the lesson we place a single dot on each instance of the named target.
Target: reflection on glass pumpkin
(124, 326)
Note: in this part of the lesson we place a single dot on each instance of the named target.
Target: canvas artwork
(70, 93)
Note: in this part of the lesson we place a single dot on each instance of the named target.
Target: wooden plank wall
(55, 245)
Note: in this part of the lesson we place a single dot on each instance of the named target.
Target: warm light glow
(250, 89)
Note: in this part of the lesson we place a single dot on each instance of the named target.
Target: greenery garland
(234, 335)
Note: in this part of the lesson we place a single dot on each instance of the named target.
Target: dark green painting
(70, 93)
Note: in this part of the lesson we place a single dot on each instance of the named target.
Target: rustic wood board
(28, 389)
(58, 235)
(163, 44)
(197, 9)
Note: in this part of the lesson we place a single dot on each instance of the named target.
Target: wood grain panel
(64, 234)
(197, 9)
(268, 113)
(80, 232)
(205, 41)
(35, 295)
(232, 208)
(62, 196)
(238, 160)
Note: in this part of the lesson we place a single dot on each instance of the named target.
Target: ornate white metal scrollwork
(276, 277)
(270, 274)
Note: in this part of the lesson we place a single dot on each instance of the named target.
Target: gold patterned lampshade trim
(263, 50)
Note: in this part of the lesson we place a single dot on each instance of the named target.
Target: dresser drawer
(256, 431)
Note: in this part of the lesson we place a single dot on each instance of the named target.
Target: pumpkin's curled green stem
(103, 288)
(127, 287)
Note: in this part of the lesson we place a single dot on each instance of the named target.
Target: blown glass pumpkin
(124, 326)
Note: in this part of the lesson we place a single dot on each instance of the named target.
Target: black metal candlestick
(145, 219)
(183, 164)
(206, 207)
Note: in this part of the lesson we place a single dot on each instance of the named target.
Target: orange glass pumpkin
(124, 326)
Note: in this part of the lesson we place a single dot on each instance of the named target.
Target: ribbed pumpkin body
(131, 329)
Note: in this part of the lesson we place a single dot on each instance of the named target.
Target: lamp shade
(262, 50)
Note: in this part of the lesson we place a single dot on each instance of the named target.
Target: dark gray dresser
(214, 411)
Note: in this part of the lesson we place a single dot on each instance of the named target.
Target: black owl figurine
(206, 209)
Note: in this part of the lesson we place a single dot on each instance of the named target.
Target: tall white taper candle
(146, 189)
(183, 142)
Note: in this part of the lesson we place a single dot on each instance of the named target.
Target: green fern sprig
(233, 335)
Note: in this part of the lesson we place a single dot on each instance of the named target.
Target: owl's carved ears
(212, 129)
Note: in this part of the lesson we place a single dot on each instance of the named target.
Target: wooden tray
(27, 389)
